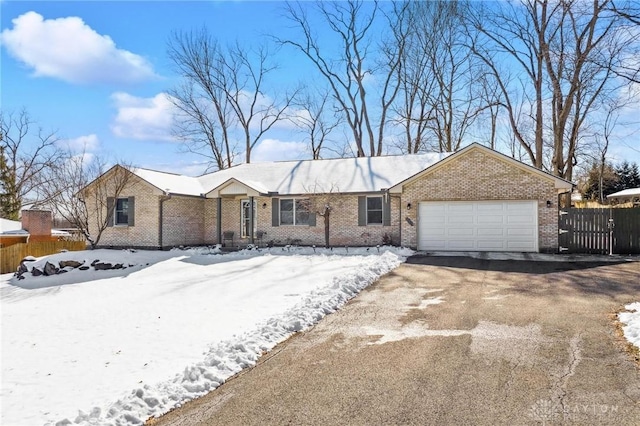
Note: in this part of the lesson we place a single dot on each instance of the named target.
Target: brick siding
(343, 224)
(474, 176)
(147, 210)
(478, 176)
(183, 221)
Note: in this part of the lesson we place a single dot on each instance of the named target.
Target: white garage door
(478, 226)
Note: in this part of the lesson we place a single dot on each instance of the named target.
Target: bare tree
(351, 23)
(205, 115)
(28, 154)
(322, 203)
(89, 208)
(79, 189)
(256, 113)
(316, 122)
(563, 56)
(413, 110)
(223, 91)
(603, 131)
(443, 85)
(490, 112)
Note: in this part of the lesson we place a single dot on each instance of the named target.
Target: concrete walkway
(451, 340)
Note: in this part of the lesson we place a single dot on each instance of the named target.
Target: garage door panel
(478, 225)
(490, 220)
(515, 206)
(491, 245)
(460, 232)
(435, 232)
(520, 220)
(491, 232)
(520, 232)
(460, 209)
(460, 219)
(439, 244)
(460, 245)
(490, 208)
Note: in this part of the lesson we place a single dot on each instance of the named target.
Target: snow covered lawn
(119, 346)
(631, 321)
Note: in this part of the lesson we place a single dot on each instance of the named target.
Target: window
(121, 214)
(374, 210)
(294, 211)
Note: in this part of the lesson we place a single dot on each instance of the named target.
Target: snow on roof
(170, 182)
(11, 227)
(14, 227)
(631, 192)
(354, 175)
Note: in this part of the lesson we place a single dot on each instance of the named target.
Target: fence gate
(589, 230)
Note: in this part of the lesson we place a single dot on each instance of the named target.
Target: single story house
(626, 197)
(34, 226)
(474, 199)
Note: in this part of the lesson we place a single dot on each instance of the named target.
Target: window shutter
(131, 211)
(386, 210)
(275, 212)
(312, 219)
(362, 210)
(111, 205)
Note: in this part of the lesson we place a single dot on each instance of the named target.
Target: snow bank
(631, 319)
(169, 328)
(227, 358)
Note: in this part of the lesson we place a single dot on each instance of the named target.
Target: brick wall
(478, 176)
(183, 221)
(38, 224)
(210, 207)
(144, 233)
(343, 224)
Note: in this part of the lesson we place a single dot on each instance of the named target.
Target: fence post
(611, 224)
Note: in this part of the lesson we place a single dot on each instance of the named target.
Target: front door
(245, 214)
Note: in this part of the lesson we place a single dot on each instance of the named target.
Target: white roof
(170, 182)
(14, 227)
(11, 227)
(345, 175)
(631, 192)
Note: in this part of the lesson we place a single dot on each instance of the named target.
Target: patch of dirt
(632, 350)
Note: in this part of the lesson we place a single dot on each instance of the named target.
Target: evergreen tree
(9, 205)
(598, 177)
(628, 176)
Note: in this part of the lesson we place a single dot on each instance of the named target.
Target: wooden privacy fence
(591, 230)
(11, 256)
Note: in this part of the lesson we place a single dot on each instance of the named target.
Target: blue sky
(109, 94)
(96, 71)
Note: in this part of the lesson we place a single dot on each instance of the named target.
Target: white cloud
(81, 144)
(70, 50)
(276, 150)
(143, 118)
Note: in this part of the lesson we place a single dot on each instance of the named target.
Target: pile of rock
(64, 266)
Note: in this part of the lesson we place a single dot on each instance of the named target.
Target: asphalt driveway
(450, 340)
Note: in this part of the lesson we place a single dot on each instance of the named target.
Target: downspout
(219, 220)
(163, 198)
(251, 224)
